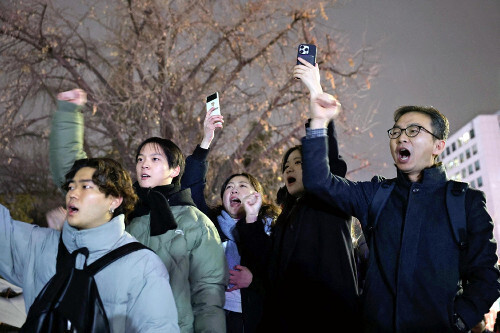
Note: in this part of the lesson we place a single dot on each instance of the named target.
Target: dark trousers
(234, 322)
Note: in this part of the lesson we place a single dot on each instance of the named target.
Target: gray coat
(135, 289)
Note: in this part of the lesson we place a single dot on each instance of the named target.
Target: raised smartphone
(307, 52)
(213, 101)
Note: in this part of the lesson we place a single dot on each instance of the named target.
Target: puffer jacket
(194, 257)
(134, 290)
(191, 252)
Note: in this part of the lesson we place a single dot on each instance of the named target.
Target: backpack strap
(455, 204)
(378, 202)
(114, 255)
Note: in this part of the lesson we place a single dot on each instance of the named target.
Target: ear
(438, 147)
(175, 172)
(116, 202)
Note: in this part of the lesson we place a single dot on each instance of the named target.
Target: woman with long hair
(242, 201)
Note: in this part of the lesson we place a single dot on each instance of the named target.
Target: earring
(111, 210)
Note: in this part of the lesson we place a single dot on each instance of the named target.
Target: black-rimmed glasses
(411, 131)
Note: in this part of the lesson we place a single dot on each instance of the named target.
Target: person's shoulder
(474, 192)
(138, 225)
(144, 260)
(189, 214)
(473, 195)
(192, 220)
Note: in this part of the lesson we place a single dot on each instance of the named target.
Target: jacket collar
(157, 202)
(100, 238)
(433, 175)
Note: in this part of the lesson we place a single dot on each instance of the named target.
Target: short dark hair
(111, 179)
(175, 157)
(439, 123)
(287, 154)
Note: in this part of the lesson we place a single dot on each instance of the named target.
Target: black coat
(417, 278)
(312, 274)
(311, 281)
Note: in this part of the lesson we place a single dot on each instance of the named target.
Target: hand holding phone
(209, 126)
(307, 52)
(306, 69)
(213, 102)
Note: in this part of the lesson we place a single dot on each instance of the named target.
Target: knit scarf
(228, 227)
(154, 201)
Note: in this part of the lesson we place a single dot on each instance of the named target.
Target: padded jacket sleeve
(14, 242)
(66, 140)
(152, 309)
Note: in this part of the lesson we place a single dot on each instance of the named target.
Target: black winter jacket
(312, 282)
(416, 280)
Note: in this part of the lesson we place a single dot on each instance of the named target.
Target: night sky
(442, 53)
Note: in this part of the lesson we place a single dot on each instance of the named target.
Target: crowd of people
(248, 265)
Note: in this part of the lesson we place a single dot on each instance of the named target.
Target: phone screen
(307, 52)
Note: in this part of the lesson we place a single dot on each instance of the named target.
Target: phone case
(213, 101)
(307, 52)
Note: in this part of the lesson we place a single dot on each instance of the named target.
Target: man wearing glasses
(418, 279)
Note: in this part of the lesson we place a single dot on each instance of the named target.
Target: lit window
(465, 137)
(476, 165)
(450, 165)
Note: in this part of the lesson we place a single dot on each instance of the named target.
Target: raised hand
(209, 125)
(240, 277)
(324, 107)
(251, 204)
(309, 75)
(75, 96)
(56, 217)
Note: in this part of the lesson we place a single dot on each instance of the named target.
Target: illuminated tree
(148, 65)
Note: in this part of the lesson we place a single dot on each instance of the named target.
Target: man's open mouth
(404, 154)
(72, 210)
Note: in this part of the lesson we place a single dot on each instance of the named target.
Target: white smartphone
(213, 101)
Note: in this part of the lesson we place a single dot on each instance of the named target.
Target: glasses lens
(394, 132)
(412, 131)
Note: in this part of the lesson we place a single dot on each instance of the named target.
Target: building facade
(472, 155)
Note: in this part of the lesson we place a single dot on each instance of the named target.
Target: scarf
(155, 201)
(228, 227)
